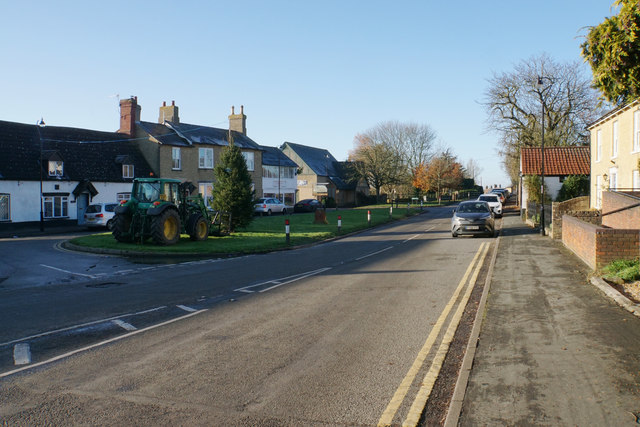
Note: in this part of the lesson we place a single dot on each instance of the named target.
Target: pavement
(553, 349)
(16, 230)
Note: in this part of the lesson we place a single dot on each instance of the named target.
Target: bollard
(420, 204)
(339, 223)
(369, 218)
(391, 212)
(286, 230)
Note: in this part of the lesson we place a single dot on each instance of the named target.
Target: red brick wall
(628, 218)
(580, 238)
(598, 246)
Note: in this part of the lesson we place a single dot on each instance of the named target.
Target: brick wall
(577, 207)
(612, 202)
(597, 246)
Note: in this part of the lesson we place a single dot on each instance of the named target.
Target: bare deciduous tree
(514, 104)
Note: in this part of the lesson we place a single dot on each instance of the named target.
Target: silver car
(100, 215)
(269, 205)
(473, 218)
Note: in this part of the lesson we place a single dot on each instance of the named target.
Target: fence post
(369, 218)
(339, 223)
(286, 231)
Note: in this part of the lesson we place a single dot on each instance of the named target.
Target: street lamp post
(41, 124)
(540, 86)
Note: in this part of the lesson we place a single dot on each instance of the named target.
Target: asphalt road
(341, 333)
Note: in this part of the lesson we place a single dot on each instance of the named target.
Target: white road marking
(374, 253)
(69, 272)
(95, 322)
(281, 281)
(410, 238)
(124, 325)
(89, 347)
(185, 308)
(22, 354)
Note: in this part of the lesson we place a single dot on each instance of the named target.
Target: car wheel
(110, 225)
(284, 211)
(269, 212)
(454, 235)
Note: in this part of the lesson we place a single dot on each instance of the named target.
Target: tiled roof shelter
(558, 161)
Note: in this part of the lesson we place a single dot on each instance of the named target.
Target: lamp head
(41, 123)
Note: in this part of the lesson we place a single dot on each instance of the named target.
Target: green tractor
(162, 209)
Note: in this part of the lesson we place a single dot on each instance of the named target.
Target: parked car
(268, 205)
(494, 203)
(307, 205)
(100, 215)
(503, 192)
(473, 218)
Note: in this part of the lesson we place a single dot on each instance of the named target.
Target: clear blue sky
(315, 73)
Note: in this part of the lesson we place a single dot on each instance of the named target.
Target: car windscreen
(488, 198)
(473, 208)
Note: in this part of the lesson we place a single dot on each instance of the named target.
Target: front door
(82, 201)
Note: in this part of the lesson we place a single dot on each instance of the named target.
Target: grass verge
(262, 235)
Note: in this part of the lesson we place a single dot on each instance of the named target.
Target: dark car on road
(307, 205)
(473, 218)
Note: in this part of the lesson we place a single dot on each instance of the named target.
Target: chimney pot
(173, 103)
(164, 103)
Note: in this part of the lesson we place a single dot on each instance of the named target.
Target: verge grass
(262, 235)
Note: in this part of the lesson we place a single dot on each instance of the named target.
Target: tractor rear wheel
(120, 229)
(165, 228)
(198, 228)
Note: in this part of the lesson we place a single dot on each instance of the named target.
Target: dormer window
(127, 171)
(56, 168)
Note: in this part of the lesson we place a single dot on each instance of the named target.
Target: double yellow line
(413, 417)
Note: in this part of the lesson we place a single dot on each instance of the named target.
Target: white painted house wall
(25, 200)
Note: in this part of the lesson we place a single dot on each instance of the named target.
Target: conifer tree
(232, 190)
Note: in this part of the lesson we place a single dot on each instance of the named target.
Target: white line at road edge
(22, 354)
(124, 325)
(185, 308)
(95, 322)
(80, 350)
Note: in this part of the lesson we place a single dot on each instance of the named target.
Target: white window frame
(127, 171)
(636, 131)
(123, 196)
(56, 168)
(598, 191)
(205, 189)
(5, 207)
(614, 140)
(56, 206)
(249, 160)
(598, 145)
(613, 178)
(205, 158)
(635, 179)
(176, 159)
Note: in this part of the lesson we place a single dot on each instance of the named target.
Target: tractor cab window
(171, 192)
(147, 192)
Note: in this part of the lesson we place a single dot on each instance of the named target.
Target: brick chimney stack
(238, 122)
(169, 113)
(129, 115)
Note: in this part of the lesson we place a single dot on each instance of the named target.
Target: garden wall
(577, 207)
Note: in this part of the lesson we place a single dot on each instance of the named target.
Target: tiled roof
(182, 134)
(273, 156)
(558, 161)
(87, 154)
(319, 160)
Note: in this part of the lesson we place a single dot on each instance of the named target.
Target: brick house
(75, 166)
(559, 162)
(615, 151)
(322, 176)
(186, 151)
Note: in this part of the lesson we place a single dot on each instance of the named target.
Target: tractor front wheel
(120, 229)
(198, 228)
(165, 228)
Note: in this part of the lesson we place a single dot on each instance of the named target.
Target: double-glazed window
(281, 171)
(636, 131)
(614, 142)
(175, 158)
(205, 158)
(598, 145)
(56, 168)
(5, 207)
(248, 158)
(127, 171)
(56, 206)
(206, 189)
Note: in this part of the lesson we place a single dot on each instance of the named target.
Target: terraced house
(188, 152)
